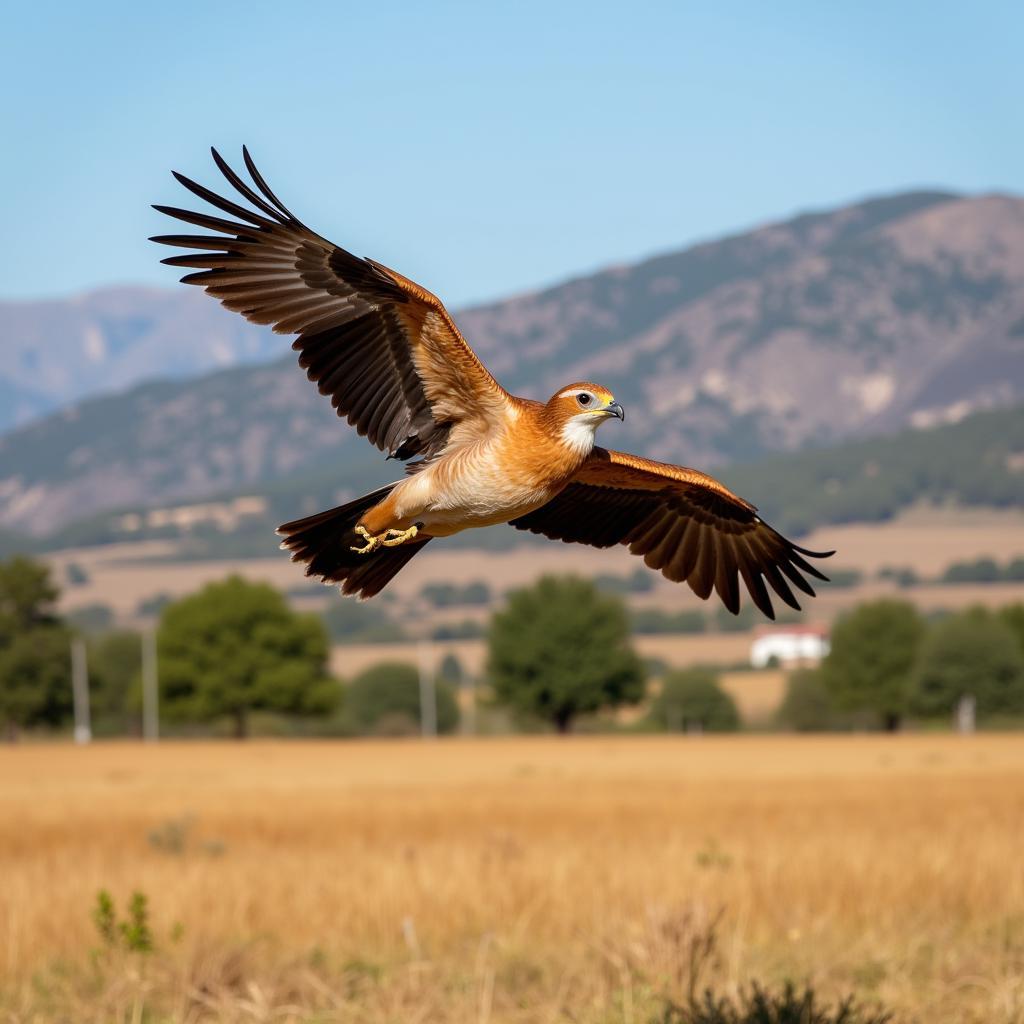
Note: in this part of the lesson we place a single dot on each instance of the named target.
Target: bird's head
(578, 410)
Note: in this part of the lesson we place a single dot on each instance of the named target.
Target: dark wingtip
(813, 554)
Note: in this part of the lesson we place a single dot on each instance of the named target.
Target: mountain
(59, 351)
(907, 310)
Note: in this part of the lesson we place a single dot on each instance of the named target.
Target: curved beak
(614, 409)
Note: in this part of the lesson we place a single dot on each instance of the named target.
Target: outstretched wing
(385, 350)
(683, 522)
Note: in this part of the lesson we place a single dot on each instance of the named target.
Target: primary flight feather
(397, 368)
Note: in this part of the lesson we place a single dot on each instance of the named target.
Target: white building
(789, 645)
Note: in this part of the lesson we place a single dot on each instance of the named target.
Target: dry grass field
(513, 881)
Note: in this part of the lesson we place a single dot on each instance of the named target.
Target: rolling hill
(976, 462)
(895, 312)
(59, 351)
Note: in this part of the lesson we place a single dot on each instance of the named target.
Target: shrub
(75, 575)
(650, 621)
(845, 578)
(807, 706)
(466, 629)
(973, 654)
(133, 933)
(385, 700)
(982, 570)
(902, 576)
(451, 670)
(640, 582)
(758, 1006)
(691, 699)
(451, 595)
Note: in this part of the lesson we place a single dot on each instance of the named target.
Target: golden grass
(519, 880)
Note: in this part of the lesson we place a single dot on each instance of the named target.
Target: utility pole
(150, 698)
(965, 715)
(80, 690)
(428, 694)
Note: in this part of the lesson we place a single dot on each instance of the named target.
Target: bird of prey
(395, 365)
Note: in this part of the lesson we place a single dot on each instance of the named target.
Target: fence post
(965, 714)
(80, 690)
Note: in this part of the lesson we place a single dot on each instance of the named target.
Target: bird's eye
(584, 398)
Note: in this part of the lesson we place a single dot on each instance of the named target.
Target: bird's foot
(395, 537)
(388, 539)
(373, 541)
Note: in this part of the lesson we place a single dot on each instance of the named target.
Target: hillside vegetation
(977, 462)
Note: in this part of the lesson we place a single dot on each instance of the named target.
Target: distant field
(923, 540)
(676, 651)
(512, 881)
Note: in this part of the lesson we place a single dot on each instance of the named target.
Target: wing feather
(683, 522)
(383, 348)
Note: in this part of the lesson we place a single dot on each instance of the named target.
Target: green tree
(385, 699)
(115, 683)
(235, 647)
(561, 648)
(807, 706)
(869, 666)
(1013, 616)
(974, 654)
(35, 675)
(451, 670)
(692, 700)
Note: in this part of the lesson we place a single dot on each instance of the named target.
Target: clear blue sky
(484, 148)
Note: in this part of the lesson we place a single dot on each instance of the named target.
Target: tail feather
(324, 541)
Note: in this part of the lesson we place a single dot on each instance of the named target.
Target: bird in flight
(395, 365)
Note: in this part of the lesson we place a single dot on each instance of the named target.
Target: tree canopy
(561, 648)
(807, 706)
(869, 666)
(385, 700)
(236, 646)
(691, 700)
(974, 654)
(115, 682)
(35, 675)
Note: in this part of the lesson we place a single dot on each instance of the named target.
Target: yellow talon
(372, 542)
(395, 537)
(388, 539)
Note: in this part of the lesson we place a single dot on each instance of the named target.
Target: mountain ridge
(894, 311)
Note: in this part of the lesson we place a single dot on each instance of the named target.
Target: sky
(487, 149)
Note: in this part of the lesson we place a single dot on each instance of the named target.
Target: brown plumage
(397, 368)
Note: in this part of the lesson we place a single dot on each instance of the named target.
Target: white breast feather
(578, 433)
